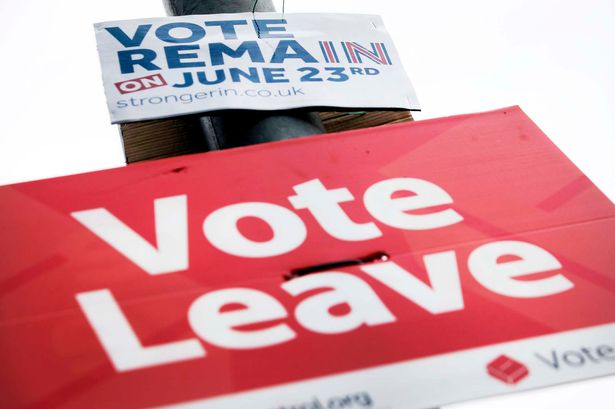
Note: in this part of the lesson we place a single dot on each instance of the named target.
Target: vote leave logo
(507, 370)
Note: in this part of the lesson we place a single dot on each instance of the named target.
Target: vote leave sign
(162, 67)
(400, 267)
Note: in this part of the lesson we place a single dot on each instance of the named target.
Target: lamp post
(233, 128)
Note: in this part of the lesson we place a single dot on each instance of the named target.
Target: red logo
(140, 84)
(507, 369)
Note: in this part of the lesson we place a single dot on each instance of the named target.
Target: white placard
(441, 379)
(164, 67)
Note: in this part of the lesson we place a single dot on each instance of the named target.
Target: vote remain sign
(365, 269)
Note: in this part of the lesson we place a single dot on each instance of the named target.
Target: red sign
(193, 279)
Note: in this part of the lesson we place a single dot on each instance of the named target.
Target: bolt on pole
(233, 128)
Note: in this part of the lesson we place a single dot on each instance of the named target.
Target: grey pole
(234, 128)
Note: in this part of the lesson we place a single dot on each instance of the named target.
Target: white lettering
(120, 341)
(394, 211)
(324, 206)
(220, 228)
(444, 295)
(499, 277)
(217, 327)
(171, 221)
(314, 312)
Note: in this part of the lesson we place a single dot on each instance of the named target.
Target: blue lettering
(188, 81)
(164, 33)
(175, 57)
(264, 30)
(252, 76)
(274, 75)
(228, 27)
(218, 50)
(128, 60)
(202, 76)
(126, 41)
(281, 52)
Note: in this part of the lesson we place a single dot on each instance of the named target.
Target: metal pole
(230, 129)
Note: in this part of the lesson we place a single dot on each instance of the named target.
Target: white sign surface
(425, 383)
(164, 67)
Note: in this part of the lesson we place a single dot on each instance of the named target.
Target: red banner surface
(168, 282)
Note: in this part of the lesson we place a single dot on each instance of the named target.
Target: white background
(556, 59)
